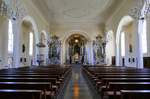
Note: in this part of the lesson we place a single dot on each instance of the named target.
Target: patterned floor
(77, 88)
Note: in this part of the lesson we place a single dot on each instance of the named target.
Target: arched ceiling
(70, 12)
(77, 9)
(80, 39)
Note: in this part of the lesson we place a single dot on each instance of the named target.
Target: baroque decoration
(99, 50)
(12, 9)
(54, 50)
(141, 10)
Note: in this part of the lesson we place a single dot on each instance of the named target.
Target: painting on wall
(23, 48)
(130, 48)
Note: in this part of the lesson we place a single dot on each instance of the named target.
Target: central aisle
(77, 87)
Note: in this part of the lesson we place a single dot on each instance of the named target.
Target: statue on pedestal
(99, 50)
(54, 50)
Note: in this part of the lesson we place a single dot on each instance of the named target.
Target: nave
(74, 49)
(78, 87)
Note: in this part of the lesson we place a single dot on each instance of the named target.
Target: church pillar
(118, 51)
(139, 50)
(87, 54)
(62, 53)
(16, 56)
(91, 53)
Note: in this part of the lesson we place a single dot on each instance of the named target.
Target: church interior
(75, 49)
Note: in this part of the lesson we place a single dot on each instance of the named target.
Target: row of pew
(42, 82)
(116, 82)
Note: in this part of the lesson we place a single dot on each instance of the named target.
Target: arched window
(30, 43)
(123, 44)
(144, 37)
(10, 37)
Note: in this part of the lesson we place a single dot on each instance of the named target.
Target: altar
(76, 58)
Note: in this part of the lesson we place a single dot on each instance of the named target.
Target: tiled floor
(77, 87)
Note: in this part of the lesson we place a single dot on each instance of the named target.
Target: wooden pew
(20, 94)
(105, 81)
(26, 85)
(114, 79)
(53, 81)
(98, 79)
(43, 86)
(114, 88)
(135, 94)
(31, 78)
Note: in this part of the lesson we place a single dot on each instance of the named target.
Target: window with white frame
(123, 44)
(30, 43)
(10, 37)
(144, 37)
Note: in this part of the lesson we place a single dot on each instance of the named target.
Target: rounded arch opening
(65, 46)
(29, 38)
(120, 35)
(76, 49)
(68, 34)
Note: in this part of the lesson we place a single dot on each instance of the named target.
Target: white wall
(3, 42)
(110, 47)
(113, 22)
(39, 22)
(148, 37)
(90, 31)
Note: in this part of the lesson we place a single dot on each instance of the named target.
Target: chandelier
(12, 9)
(141, 10)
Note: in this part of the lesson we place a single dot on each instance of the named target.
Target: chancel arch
(82, 44)
(76, 49)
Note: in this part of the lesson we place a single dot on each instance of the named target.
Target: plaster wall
(113, 23)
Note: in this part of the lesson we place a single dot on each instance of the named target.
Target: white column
(139, 50)
(87, 54)
(16, 56)
(5, 44)
(91, 54)
(118, 52)
(45, 55)
(62, 53)
(67, 53)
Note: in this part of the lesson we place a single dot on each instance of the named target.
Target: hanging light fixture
(76, 40)
(141, 10)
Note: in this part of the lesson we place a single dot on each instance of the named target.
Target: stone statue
(54, 50)
(98, 50)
